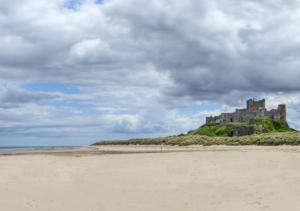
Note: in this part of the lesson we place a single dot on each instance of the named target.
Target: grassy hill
(257, 125)
(265, 132)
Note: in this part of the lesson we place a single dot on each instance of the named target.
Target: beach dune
(221, 178)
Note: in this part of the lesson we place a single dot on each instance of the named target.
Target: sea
(5, 149)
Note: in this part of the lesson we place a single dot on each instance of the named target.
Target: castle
(255, 109)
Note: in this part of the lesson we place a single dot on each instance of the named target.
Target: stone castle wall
(255, 109)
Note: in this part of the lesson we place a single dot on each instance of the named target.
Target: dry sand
(206, 178)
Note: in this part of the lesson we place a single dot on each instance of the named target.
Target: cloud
(137, 62)
(13, 95)
(207, 47)
(201, 45)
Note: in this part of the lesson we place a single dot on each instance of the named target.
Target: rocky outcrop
(242, 130)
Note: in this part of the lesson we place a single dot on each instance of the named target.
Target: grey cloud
(208, 48)
(213, 51)
(17, 96)
(203, 45)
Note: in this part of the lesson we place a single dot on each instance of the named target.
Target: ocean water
(33, 148)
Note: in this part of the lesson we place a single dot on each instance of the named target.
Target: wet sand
(142, 178)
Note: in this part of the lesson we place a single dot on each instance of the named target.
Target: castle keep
(255, 109)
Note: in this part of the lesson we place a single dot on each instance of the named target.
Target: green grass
(260, 125)
(271, 126)
(236, 123)
(213, 129)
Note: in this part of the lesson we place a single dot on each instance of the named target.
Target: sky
(73, 72)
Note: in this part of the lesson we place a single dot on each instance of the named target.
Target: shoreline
(140, 149)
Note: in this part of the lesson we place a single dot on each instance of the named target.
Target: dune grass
(267, 139)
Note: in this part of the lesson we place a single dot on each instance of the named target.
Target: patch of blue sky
(50, 87)
(193, 109)
(98, 1)
(75, 4)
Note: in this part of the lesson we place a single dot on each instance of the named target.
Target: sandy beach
(139, 178)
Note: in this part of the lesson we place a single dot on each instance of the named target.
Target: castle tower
(256, 106)
(282, 112)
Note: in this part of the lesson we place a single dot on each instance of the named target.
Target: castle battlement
(255, 109)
